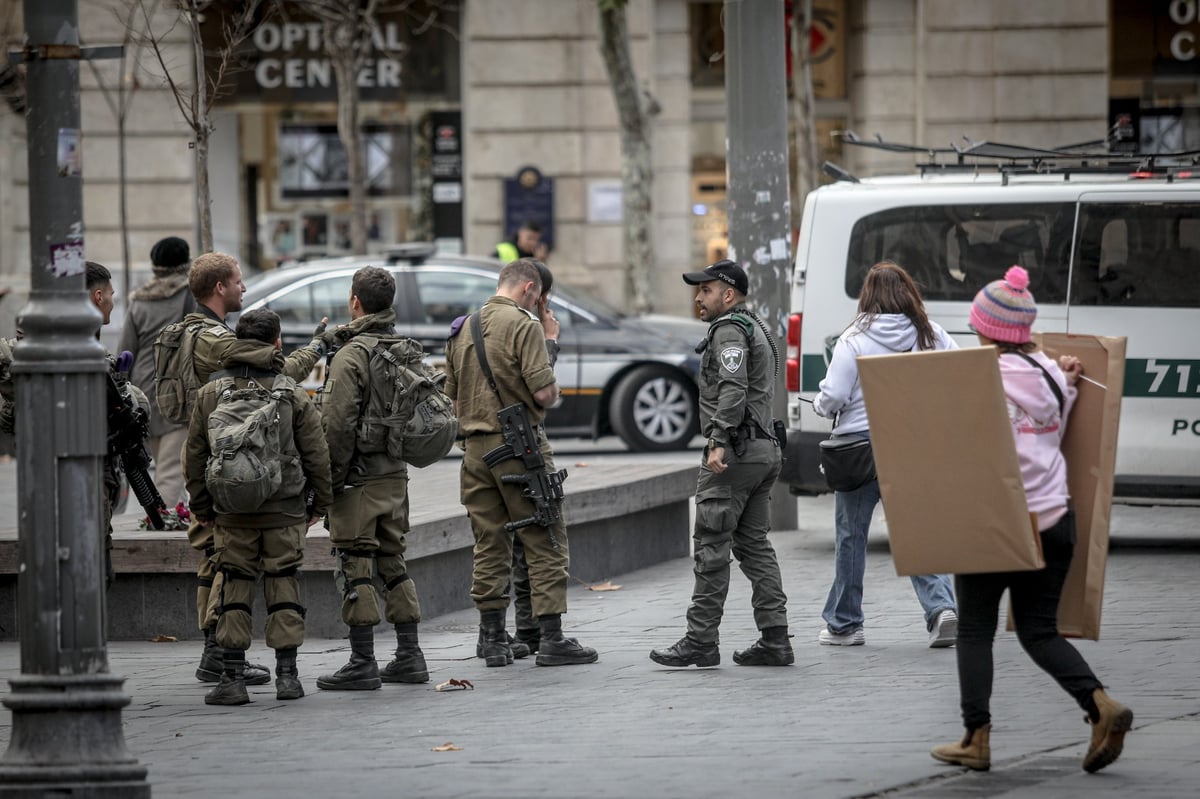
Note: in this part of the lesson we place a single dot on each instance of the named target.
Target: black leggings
(1035, 596)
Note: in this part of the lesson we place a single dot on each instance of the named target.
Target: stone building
(509, 84)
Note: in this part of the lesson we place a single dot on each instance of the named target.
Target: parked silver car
(634, 376)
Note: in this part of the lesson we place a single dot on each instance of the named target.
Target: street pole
(756, 166)
(67, 737)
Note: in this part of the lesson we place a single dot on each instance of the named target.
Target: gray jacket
(152, 307)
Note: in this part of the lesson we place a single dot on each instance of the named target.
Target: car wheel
(654, 409)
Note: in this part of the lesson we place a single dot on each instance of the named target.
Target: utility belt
(750, 430)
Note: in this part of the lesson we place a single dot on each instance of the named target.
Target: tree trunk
(202, 128)
(637, 174)
(344, 43)
(803, 106)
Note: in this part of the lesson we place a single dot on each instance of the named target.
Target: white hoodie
(841, 392)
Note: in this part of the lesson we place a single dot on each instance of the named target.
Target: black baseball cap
(726, 271)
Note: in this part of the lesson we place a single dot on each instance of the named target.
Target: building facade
(455, 116)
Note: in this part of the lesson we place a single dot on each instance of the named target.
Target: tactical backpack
(406, 414)
(175, 381)
(246, 466)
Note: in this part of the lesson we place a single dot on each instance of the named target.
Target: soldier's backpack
(175, 381)
(246, 466)
(406, 414)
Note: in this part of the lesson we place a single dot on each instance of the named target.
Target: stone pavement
(850, 722)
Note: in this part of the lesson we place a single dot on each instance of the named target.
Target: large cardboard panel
(947, 463)
(1090, 448)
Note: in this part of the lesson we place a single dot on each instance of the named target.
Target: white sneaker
(945, 630)
(852, 638)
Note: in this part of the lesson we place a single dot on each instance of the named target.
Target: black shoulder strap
(481, 354)
(1049, 379)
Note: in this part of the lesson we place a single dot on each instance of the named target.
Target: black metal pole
(67, 737)
(757, 176)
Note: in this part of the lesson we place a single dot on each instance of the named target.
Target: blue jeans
(843, 609)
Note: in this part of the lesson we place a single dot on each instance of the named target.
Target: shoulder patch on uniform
(731, 358)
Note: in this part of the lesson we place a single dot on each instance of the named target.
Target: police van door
(1135, 272)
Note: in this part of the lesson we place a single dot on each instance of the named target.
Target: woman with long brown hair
(891, 319)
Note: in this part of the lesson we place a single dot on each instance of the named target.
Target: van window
(952, 251)
(1138, 254)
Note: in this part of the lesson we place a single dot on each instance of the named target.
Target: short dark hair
(261, 324)
(519, 271)
(546, 275)
(532, 225)
(375, 288)
(97, 275)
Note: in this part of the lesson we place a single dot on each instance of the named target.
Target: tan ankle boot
(972, 751)
(1108, 734)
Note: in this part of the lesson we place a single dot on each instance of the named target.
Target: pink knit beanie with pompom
(1004, 310)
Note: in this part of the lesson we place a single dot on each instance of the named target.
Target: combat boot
(529, 638)
(518, 648)
(973, 751)
(211, 664)
(772, 649)
(495, 640)
(362, 672)
(409, 665)
(231, 690)
(555, 650)
(1108, 731)
(287, 677)
(686, 652)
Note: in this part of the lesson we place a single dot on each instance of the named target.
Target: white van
(1107, 254)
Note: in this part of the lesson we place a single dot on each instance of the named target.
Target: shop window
(313, 163)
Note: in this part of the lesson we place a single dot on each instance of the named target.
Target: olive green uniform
(269, 542)
(516, 350)
(213, 344)
(733, 513)
(368, 522)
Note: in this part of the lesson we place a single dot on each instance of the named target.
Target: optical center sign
(286, 62)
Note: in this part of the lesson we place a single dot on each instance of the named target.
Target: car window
(294, 306)
(331, 297)
(1140, 254)
(952, 251)
(445, 296)
(309, 302)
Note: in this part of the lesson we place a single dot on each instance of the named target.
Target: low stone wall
(620, 518)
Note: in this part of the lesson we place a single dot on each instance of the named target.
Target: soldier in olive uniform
(270, 541)
(514, 327)
(216, 283)
(742, 460)
(368, 523)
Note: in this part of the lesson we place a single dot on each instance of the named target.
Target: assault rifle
(128, 427)
(541, 487)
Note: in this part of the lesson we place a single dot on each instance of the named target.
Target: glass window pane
(295, 306)
(331, 297)
(952, 251)
(446, 296)
(1138, 254)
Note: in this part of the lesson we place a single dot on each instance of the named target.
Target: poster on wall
(279, 233)
(314, 231)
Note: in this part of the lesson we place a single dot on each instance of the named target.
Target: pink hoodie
(1038, 430)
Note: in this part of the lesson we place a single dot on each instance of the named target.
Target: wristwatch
(712, 443)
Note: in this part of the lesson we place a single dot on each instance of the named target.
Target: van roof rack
(1016, 159)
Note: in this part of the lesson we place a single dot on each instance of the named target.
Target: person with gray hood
(891, 320)
(163, 300)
